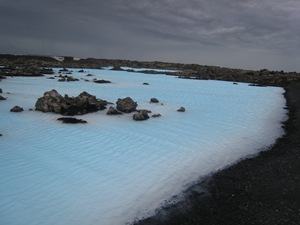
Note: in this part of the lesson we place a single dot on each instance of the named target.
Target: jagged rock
(102, 81)
(126, 105)
(52, 101)
(17, 109)
(80, 71)
(146, 84)
(154, 100)
(113, 111)
(2, 98)
(181, 109)
(71, 120)
(141, 115)
(156, 115)
(89, 75)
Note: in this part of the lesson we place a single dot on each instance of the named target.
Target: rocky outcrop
(2, 98)
(17, 109)
(84, 103)
(113, 111)
(0, 90)
(126, 105)
(71, 120)
(141, 115)
(154, 100)
(181, 109)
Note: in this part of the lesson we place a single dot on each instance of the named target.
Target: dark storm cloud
(247, 33)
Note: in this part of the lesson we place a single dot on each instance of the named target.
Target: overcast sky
(250, 34)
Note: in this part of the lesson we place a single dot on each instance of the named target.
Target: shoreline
(260, 190)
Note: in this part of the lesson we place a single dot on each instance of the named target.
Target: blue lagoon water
(113, 169)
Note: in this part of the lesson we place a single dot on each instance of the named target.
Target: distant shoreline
(260, 190)
(263, 77)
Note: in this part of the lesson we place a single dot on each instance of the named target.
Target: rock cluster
(84, 103)
(52, 101)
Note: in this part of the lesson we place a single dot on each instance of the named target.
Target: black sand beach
(260, 190)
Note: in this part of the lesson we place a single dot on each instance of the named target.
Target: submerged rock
(71, 120)
(141, 115)
(156, 115)
(126, 105)
(17, 109)
(84, 103)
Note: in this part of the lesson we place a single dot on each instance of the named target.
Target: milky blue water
(114, 169)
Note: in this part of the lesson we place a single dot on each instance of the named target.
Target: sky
(247, 34)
